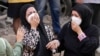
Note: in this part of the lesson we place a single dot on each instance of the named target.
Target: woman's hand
(53, 44)
(20, 34)
(35, 20)
(76, 28)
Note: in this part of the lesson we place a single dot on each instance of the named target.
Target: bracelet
(81, 36)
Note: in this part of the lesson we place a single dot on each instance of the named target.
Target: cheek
(38, 20)
(28, 20)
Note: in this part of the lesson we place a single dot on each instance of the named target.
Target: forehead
(31, 9)
(74, 12)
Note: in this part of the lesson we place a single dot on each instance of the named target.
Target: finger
(53, 47)
(18, 30)
(23, 30)
(48, 45)
(32, 18)
(37, 16)
(56, 44)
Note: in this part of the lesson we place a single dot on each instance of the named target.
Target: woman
(79, 37)
(7, 50)
(37, 35)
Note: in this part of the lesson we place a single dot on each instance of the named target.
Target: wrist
(79, 32)
(81, 36)
(18, 40)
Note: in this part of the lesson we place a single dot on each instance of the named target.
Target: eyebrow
(32, 12)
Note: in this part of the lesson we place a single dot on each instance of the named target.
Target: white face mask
(76, 20)
(30, 17)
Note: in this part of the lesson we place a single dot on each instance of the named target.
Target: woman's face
(32, 15)
(76, 17)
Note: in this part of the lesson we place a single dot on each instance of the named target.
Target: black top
(68, 38)
(73, 47)
(41, 49)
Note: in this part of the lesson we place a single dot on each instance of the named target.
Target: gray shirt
(91, 1)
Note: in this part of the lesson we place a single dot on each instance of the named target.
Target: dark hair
(24, 22)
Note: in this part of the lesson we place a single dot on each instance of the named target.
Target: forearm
(89, 45)
(18, 49)
(81, 36)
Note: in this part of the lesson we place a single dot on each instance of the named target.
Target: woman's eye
(34, 12)
(76, 15)
(29, 14)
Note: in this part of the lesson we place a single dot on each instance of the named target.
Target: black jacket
(73, 47)
(68, 38)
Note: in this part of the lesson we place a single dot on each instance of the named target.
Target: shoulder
(94, 28)
(66, 26)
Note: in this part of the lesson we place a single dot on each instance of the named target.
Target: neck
(33, 28)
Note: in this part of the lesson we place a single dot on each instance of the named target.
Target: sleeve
(9, 49)
(61, 37)
(18, 49)
(50, 33)
(90, 43)
(13, 52)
